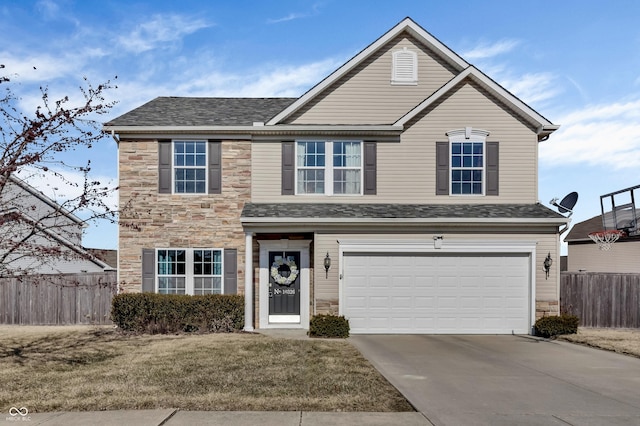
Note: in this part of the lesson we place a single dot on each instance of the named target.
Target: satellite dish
(567, 204)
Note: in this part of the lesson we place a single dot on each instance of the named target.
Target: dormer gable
(407, 29)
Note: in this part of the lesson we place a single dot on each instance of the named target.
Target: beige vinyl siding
(365, 95)
(406, 170)
(545, 289)
(622, 257)
(325, 287)
(412, 173)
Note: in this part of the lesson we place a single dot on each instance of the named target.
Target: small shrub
(163, 313)
(556, 325)
(329, 326)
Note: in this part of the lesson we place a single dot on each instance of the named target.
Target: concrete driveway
(507, 380)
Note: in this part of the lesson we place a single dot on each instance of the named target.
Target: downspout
(118, 269)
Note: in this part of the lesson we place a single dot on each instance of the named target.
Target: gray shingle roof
(398, 211)
(179, 111)
(581, 230)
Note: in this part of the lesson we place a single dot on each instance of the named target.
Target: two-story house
(401, 191)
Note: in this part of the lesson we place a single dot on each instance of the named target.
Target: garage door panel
(379, 302)
(422, 302)
(398, 302)
(436, 293)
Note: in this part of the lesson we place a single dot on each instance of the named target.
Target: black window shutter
(148, 270)
(164, 166)
(370, 168)
(288, 168)
(215, 167)
(493, 156)
(230, 271)
(442, 168)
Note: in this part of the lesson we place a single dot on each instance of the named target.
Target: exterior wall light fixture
(547, 265)
(327, 265)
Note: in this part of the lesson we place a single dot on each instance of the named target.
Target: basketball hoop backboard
(619, 211)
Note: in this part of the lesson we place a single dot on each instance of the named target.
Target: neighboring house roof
(40, 195)
(580, 231)
(110, 257)
(54, 236)
(176, 111)
(51, 233)
(299, 212)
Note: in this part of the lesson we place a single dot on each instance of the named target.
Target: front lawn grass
(622, 340)
(96, 368)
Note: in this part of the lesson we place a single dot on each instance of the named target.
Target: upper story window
(189, 271)
(467, 164)
(329, 167)
(190, 167)
(404, 67)
(467, 167)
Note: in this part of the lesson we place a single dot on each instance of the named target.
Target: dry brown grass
(625, 341)
(96, 368)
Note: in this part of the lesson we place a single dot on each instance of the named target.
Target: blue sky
(577, 62)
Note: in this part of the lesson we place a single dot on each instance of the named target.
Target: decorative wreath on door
(278, 278)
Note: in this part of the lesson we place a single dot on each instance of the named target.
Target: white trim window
(467, 161)
(189, 271)
(190, 167)
(339, 175)
(467, 168)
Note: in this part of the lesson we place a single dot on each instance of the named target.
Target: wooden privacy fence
(601, 299)
(58, 299)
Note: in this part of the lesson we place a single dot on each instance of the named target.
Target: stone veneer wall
(152, 220)
(547, 308)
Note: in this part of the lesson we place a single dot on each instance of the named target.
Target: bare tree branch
(35, 231)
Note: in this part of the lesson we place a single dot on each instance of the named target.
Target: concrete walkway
(223, 418)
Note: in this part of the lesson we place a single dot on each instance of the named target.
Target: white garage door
(438, 294)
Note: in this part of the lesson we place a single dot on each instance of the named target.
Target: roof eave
(544, 127)
(439, 220)
(259, 130)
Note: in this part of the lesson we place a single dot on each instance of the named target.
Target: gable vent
(405, 67)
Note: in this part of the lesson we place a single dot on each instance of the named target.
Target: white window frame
(174, 166)
(404, 68)
(329, 167)
(189, 275)
(468, 135)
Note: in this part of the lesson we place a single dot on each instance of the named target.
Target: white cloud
(606, 135)
(48, 8)
(289, 17)
(484, 50)
(533, 88)
(40, 67)
(158, 31)
(315, 9)
(63, 185)
(205, 80)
